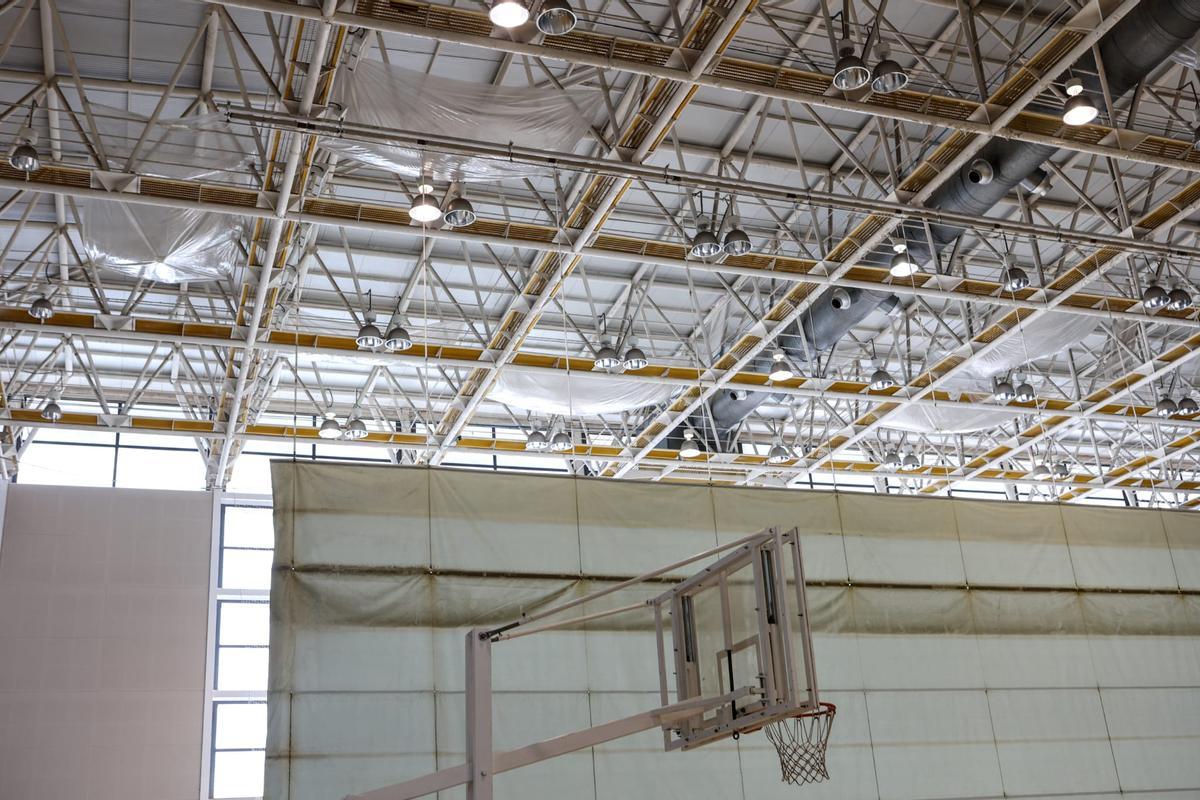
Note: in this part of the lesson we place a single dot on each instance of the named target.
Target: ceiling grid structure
(724, 112)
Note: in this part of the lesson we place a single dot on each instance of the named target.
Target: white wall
(103, 615)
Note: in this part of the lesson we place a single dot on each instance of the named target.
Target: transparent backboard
(739, 628)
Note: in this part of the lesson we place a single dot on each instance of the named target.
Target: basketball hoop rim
(822, 709)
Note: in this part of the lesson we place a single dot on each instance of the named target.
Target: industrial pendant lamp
(634, 358)
(1155, 297)
(536, 441)
(779, 453)
(397, 339)
(459, 213)
(424, 208)
(1061, 470)
(330, 429)
(1079, 109)
(41, 309)
(52, 411)
(1166, 407)
(1003, 390)
(24, 155)
(369, 337)
(902, 264)
(888, 76)
(850, 73)
(508, 13)
(1178, 299)
(556, 18)
(882, 380)
(561, 442)
(911, 461)
(780, 371)
(705, 243)
(891, 459)
(1013, 278)
(606, 356)
(355, 429)
(691, 447)
(1025, 393)
(1186, 406)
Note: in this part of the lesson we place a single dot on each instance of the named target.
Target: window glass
(246, 526)
(160, 469)
(242, 668)
(251, 474)
(66, 465)
(238, 773)
(240, 726)
(243, 623)
(245, 569)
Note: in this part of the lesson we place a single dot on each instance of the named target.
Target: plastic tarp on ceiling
(974, 649)
(392, 98)
(168, 245)
(1048, 334)
(578, 393)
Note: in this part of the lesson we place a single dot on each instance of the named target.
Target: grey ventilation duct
(830, 317)
(1143, 40)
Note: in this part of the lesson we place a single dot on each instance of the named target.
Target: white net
(800, 742)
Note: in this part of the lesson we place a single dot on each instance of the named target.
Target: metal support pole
(479, 714)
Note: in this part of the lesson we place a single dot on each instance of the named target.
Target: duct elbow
(980, 172)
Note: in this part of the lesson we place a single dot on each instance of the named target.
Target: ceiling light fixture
(888, 75)
(1186, 406)
(41, 309)
(881, 380)
(737, 241)
(704, 243)
(355, 429)
(1179, 299)
(397, 339)
(606, 356)
(1025, 393)
(561, 443)
(691, 447)
(1040, 471)
(779, 453)
(24, 155)
(634, 358)
(556, 18)
(1061, 470)
(330, 429)
(1166, 407)
(891, 459)
(508, 13)
(1079, 109)
(1013, 278)
(52, 411)
(536, 441)
(460, 213)
(424, 208)
(902, 265)
(911, 461)
(780, 371)
(1004, 390)
(850, 73)
(1155, 297)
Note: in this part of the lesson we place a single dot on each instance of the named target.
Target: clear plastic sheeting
(392, 98)
(1039, 338)
(973, 648)
(577, 393)
(166, 245)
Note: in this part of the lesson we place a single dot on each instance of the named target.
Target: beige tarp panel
(974, 649)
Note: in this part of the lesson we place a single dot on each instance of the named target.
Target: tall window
(239, 629)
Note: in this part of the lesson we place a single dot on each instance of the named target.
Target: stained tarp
(974, 649)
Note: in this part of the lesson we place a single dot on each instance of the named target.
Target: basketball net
(800, 742)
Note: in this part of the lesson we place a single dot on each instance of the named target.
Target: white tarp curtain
(577, 393)
(167, 245)
(392, 98)
(1038, 338)
(1070, 667)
